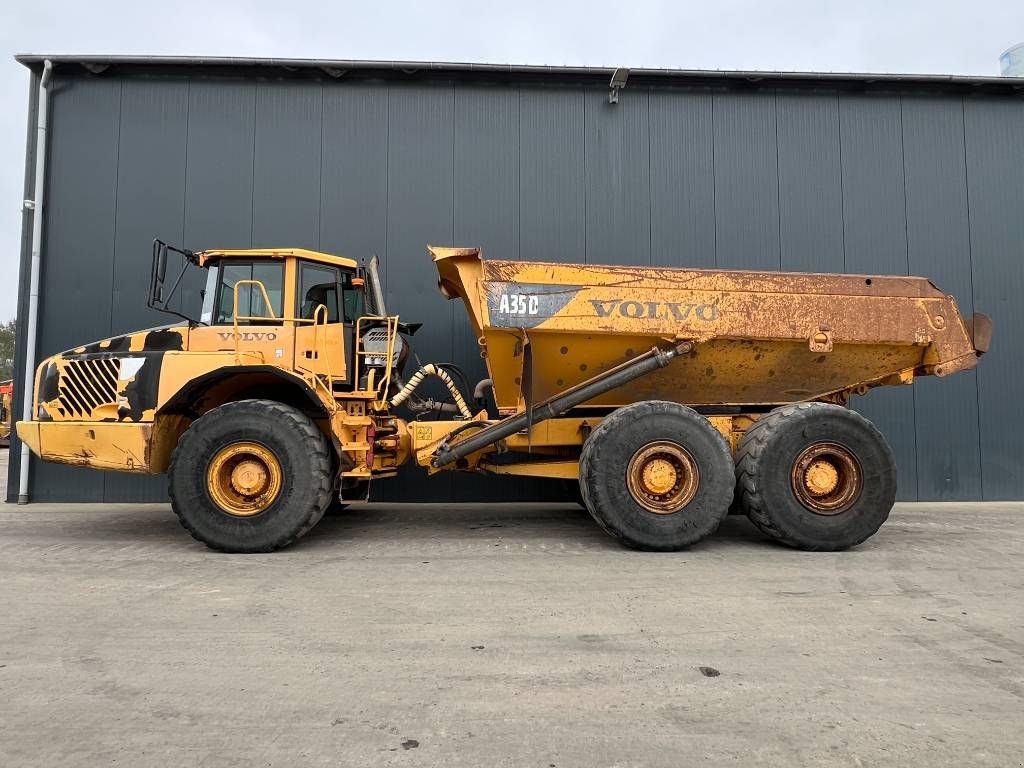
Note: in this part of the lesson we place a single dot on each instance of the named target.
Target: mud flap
(979, 328)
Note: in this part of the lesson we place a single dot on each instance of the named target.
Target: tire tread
(590, 460)
(319, 459)
(748, 459)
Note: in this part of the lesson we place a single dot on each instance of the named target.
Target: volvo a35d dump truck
(670, 396)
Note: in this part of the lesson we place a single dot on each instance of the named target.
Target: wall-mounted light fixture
(619, 78)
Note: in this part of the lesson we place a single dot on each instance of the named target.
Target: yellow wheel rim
(826, 478)
(244, 478)
(663, 477)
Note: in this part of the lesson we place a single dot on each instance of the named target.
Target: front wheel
(250, 476)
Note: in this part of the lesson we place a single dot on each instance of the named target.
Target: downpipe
(560, 403)
(36, 206)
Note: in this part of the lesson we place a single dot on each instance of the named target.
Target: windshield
(252, 308)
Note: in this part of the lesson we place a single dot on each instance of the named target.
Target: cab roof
(273, 253)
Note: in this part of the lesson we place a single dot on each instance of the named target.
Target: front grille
(85, 385)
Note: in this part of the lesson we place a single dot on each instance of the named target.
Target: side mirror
(159, 297)
(161, 262)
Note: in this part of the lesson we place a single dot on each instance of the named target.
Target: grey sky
(935, 36)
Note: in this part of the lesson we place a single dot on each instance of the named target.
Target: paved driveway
(518, 636)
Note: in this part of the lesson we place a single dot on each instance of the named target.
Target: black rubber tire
(305, 466)
(606, 455)
(765, 459)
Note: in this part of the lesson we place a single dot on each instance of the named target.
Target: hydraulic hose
(432, 370)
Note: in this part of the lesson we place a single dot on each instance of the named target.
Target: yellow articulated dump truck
(668, 395)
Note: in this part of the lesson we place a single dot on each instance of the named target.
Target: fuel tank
(760, 338)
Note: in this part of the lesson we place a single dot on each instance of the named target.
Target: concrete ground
(508, 636)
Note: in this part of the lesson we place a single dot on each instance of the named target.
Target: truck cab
(288, 325)
(295, 308)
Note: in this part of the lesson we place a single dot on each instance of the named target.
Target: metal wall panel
(810, 183)
(618, 178)
(286, 166)
(939, 246)
(420, 206)
(354, 171)
(77, 273)
(874, 209)
(875, 234)
(746, 181)
(552, 194)
(150, 203)
(994, 132)
(682, 179)
(218, 175)
(150, 193)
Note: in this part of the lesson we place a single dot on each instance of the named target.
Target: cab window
(250, 298)
(318, 285)
(352, 298)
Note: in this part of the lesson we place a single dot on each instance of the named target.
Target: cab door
(320, 334)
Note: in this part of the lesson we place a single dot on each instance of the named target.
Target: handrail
(392, 336)
(236, 317)
(391, 324)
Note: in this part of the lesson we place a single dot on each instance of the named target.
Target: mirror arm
(158, 272)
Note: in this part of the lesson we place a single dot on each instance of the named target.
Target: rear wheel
(250, 476)
(816, 476)
(657, 475)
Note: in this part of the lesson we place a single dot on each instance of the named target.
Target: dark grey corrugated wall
(797, 180)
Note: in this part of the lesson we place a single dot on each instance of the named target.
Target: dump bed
(761, 337)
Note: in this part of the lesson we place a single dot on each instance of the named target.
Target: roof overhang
(347, 68)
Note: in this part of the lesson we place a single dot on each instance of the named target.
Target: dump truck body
(759, 338)
(663, 393)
